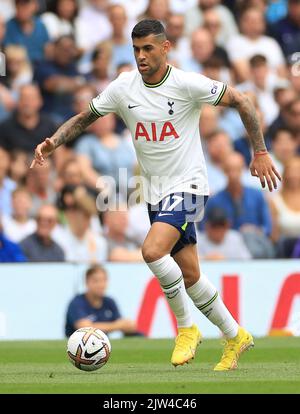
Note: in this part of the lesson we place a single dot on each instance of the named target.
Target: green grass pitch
(139, 365)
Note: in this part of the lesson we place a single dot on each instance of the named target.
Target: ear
(166, 46)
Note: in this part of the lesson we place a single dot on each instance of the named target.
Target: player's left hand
(262, 167)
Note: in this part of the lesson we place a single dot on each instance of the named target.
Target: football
(88, 349)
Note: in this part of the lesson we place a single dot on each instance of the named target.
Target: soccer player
(161, 107)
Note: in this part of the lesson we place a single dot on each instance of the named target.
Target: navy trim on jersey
(94, 110)
(221, 94)
(155, 85)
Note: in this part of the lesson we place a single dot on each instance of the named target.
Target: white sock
(208, 301)
(171, 281)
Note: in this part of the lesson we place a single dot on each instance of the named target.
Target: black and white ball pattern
(88, 349)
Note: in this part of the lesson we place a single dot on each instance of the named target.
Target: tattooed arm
(65, 133)
(247, 111)
(261, 165)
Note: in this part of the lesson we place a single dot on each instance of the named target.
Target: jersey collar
(155, 85)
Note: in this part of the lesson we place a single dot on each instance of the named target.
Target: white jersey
(164, 123)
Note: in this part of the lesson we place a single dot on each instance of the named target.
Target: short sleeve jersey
(163, 119)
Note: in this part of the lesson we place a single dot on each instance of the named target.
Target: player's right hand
(42, 151)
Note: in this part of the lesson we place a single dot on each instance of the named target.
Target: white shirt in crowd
(92, 248)
(57, 27)
(194, 20)
(288, 219)
(89, 19)
(240, 47)
(7, 9)
(138, 223)
(16, 231)
(232, 246)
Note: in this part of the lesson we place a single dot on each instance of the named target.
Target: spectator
(80, 102)
(104, 152)
(19, 225)
(78, 238)
(121, 128)
(285, 209)
(39, 184)
(27, 30)
(138, 223)
(194, 17)
(157, 9)
(91, 16)
(209, 122)
(40, 246)
(219, 148)
(70, 186)
(7, 102)
(134, 8)
(213, 23)
(7, 9)
(120, 247)
(203, 49)
(214, 68)
(296, 250)
(58, 78)
(18, 69)
(293, 117)
(70, 174)
(289, 118)
(230, 122)
(252, 41)
(294, 71)
(181, 7)
(284, 95)
(219, 242)
(245, 207)
(70, 177)
(10, 252)
(287, 30)
(6, 184)
(99, 75)
(93, 308)
(284, 147)
(82, 97)
(259, 4)
(18, 167)
(119, 43)
(2, 31)
(124, 67)
(61, 18)
(262, 83)
(180, 44)
(276, 10)
(26, 127)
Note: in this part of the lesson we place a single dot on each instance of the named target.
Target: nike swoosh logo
(132, 106)
(165, 214)
(87, 355)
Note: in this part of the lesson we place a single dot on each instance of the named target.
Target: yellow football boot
(233, 349)
(186, 343)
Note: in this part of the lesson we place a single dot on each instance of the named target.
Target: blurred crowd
(59, 54)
